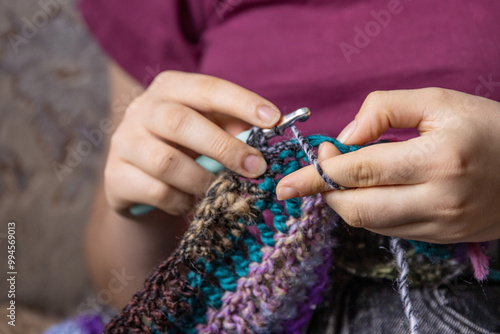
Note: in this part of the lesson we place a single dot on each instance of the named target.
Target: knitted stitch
(228, 278)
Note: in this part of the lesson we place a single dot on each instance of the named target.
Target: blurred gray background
(53, 90)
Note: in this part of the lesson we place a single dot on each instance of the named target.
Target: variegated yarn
(236, 272)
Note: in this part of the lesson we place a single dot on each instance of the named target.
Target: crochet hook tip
(299, 115)
(287, 120)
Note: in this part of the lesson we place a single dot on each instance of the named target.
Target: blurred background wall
(53, 94)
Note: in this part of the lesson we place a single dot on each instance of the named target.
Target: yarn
(236, 272)
(402, 282)
(314, 159)
(396, 247)
(479, 260)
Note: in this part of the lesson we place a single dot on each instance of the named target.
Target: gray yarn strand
(313, 158)
(395, 243)
(402, 282)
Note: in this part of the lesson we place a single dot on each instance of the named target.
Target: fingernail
(254, 164)
(286, 193)
(268, 115)
(347, 132)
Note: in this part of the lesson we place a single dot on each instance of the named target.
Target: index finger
(376, 165)
(206, 93)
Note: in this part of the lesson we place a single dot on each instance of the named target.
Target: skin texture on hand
(441, 187)
(181, 116)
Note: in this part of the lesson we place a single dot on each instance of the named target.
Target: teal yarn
(432, 251)
(266, 233)
(213, 294)
(494, 275)
(255, 255)
(240, 262)
(293, 207)
(279, 218)
(315, 140)
(291, 167)
(227, 278)
(235, 272)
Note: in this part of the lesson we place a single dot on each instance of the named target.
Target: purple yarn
(460, 252)
(305, 310)
(260, 299)
(90, 324)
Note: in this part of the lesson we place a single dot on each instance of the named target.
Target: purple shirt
(323, 54)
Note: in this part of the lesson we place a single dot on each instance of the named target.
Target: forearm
(127, 247)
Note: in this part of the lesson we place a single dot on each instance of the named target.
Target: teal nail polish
(214, 166)
(244, 135)
(140, 209)
(209, 164)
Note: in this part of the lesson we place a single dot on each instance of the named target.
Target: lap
(357, 305)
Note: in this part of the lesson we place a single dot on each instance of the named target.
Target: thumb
(396, 109)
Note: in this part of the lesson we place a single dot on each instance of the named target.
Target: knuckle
(439, 94)
(176, 121)
(180, 209)
(209, 86)
(163, 79)
(375, 97)
(162, 163)
(354, 216)
(451, 208)
(458, 166)
(222, 147)
(135, 104)
(113, 202)
(363, 174)
(158, 192)
(407, 170)
(455, 165)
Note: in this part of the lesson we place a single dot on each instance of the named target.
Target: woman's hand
(180, 116)
(441, 187)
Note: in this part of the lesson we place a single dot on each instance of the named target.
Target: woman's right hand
(180, 116)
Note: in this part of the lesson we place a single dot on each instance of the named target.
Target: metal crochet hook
(299, 115)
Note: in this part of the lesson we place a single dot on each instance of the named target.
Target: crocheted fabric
(235, 273)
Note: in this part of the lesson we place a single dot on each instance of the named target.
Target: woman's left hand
(440, 187)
